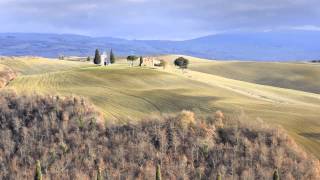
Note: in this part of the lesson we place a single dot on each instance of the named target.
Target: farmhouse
(150, 61)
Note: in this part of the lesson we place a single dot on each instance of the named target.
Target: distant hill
(264, 46)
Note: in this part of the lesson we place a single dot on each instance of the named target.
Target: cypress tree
(219, 176)
(97, 57)
(158, 173)
(276, 175)
(99, 174)
(38, 175)
(141, 61)
(112, 58)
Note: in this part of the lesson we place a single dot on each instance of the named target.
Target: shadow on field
(311, 135)
(177, 100)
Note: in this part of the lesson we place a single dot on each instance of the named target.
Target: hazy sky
(157, 19)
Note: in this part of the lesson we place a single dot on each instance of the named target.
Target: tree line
(181, 62)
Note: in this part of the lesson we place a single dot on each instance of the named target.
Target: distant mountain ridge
(263, 46)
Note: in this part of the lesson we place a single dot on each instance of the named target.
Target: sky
(157, 19)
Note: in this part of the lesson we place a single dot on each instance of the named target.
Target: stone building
(150, 61)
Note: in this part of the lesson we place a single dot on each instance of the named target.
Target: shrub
(181, 62)
(33, 128)
(6, 75)
(186, 118)
(218, 116)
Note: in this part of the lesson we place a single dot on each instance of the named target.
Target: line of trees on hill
(70, 141)
(181, 62)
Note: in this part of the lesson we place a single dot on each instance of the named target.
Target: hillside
(125, 94)
(290, 75)
(65, 136)
(37, 65)
(266, 46)
(121, 92)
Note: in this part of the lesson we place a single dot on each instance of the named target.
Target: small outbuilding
(105, 59)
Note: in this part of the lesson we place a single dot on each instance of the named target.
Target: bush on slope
(6, 75)
(70, 142)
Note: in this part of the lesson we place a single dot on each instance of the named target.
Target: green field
(122, 93)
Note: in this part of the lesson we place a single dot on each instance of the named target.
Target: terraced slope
(123, 93)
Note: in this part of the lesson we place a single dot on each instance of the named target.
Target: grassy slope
(298, 76)
(2, 67)
(121, 92)
(29, 65)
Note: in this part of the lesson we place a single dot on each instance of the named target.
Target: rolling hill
(122, 93)
(263, 46)
(299, 75)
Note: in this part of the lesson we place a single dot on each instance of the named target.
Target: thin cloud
(307, 28)
(156, 19)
